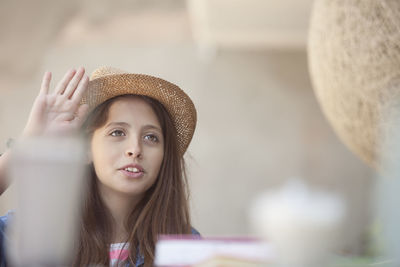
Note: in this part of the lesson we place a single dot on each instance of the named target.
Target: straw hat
(107, 82)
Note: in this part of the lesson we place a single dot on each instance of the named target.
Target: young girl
(138, 129)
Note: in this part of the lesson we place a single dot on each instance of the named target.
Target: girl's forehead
(133, 109)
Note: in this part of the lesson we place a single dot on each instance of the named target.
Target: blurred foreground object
(354, 61)
(303, 225)
(387, 237)
(188, 251)
(49, 175)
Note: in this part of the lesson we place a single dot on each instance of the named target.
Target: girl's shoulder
(5, 218)
(195, 232)
(3, 224)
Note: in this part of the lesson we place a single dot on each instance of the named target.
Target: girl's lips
(132, 174)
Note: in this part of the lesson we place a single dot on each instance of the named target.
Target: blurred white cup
(303, 225)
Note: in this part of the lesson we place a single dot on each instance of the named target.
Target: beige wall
(258, 121)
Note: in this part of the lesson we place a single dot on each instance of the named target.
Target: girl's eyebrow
(118, 124)
(151, 126)
(124, 124)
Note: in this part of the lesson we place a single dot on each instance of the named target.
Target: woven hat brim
(178, 104)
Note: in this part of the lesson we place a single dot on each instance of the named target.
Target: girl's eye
(117, 133)
(151, 138)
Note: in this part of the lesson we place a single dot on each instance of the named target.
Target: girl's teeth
(131, 169)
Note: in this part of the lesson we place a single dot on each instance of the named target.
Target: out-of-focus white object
(303, 224)
(49, 175)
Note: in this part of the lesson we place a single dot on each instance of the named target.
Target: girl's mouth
(133, 170)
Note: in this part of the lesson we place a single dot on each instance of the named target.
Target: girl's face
(127, 151)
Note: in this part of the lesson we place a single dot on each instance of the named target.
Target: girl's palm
(60, 112)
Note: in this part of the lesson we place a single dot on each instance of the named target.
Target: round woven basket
(354, 61)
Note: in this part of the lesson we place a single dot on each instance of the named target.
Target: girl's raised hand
(60, 112)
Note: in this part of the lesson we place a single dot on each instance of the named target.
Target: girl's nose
(133, 154)
(134, 151)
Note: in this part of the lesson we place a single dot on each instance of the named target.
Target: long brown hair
(163, 209)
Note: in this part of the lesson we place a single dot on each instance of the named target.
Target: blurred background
(243, 63)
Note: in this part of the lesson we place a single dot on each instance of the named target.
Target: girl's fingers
(44, 88)
(60, 88)
(81, 114)
(69, 91)
(83, 84)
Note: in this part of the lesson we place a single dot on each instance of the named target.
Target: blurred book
(212, 252)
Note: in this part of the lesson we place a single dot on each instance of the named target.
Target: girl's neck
(120, 206)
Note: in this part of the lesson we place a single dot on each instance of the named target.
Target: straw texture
(107, 82)
(354, 60)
